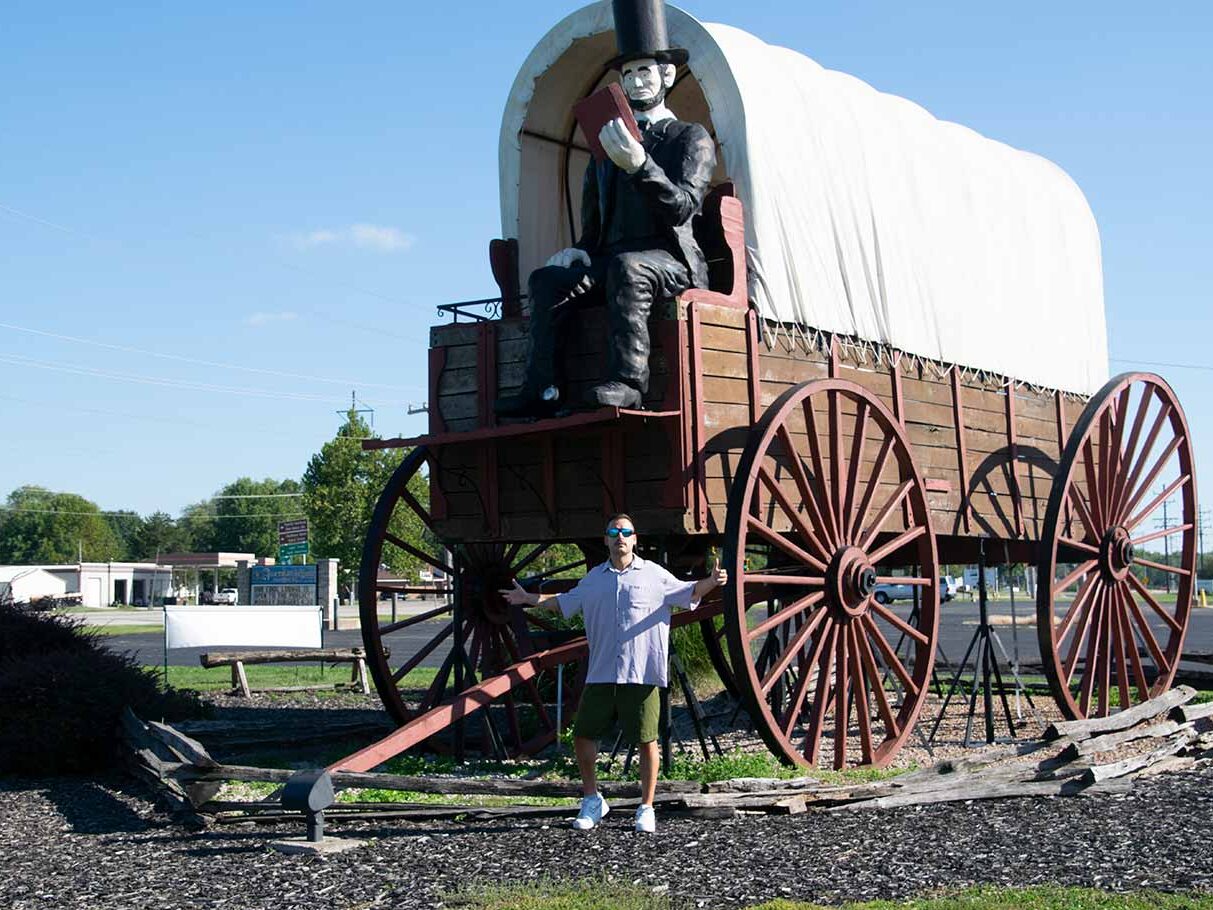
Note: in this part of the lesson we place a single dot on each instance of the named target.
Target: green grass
(608, 895)
(218, 679)
(126, 629)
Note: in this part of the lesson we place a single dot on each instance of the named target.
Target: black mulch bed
(82, 843)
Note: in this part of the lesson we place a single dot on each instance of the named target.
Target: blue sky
(291, 188)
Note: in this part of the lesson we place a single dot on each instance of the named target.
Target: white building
(28, 583)
(99, 584)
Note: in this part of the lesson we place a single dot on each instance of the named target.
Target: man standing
(637, 244)
(626, 603)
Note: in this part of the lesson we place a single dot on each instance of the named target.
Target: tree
(159, 533)
(126, 525)
(341, 485)
(246, 514)
(38, 526)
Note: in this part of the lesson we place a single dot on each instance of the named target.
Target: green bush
(61, 694)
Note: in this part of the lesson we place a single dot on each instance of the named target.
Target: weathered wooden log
(445, 785)
(1097, 773)
(1186, 714)
(271, 733)
(187, 748)
(759, 784)
(971, 790)
(1110, 741)
(330, 655)
(1147, 710)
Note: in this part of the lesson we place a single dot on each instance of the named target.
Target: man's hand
(714, 580)
(621, 146)
(518, 596)
(565, 258)
(718, 575)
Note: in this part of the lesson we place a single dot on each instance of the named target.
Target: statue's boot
(614, 393)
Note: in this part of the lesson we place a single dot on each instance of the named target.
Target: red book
(595, 111)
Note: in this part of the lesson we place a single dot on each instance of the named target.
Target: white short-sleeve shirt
(627, 620)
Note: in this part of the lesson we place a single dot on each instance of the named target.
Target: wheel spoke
(1164, 412)
(882, 699)
(900, 624)
(791, 651)
(1084, 626)
(1103, 656)
(823, 635)
(824, 538)
(862, 716)
(1079, 545)
(1137, 497)
(1130, 448)
(1160, 567)
(842, 693)
(416, 506)
(1118, 647)
(812, 581)
(1093, 488)
(789, 612)
(821, 692)
(432, 561)
(531, 579)
(1080, 601)
(878, 522)
(1107, 463)
(903, 580)
(766, 532)
(1117, 450)
(1127, 636)
(835, 424)
(890, 657)
(1147, 634)
(1093, 651)
(1149, 598)
(411, 664)
(810, 420)
(873, 483)
(1081, 569)
(897, 543)
(1155, 503)
(413, 620)
(433, 695)
(1165, 532)
(1074, 496)
(858, 443)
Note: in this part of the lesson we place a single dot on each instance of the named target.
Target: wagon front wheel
(827, 501)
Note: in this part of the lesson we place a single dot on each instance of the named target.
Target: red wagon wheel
(1100, 627)
(490, 635)
(821, 483)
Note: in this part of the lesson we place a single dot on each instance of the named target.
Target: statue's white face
(645, 80)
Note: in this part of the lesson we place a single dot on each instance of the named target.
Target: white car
(888, 593)
(229, 596)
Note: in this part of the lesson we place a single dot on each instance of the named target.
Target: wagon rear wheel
(422, 659)
(821, 485)
(1103, 633)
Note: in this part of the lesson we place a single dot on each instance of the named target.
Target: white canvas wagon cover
(865, 215)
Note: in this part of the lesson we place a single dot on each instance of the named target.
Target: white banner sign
(243, 627)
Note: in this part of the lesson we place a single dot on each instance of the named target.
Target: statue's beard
(647, 104)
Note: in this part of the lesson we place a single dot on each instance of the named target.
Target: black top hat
(640, 32)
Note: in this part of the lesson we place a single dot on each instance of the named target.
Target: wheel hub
(1116, 554)
(850, 581)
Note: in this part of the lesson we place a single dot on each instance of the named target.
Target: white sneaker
(593, 810)
(646, 820)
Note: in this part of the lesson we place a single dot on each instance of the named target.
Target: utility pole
(1165, 524)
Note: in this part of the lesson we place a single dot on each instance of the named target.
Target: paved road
(958, 620)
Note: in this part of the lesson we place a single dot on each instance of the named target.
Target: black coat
(674, 179)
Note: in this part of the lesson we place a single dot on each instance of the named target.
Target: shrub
(61, 694)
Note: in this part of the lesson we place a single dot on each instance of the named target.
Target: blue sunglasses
(617, 532)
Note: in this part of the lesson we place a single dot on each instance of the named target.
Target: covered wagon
(900, 363)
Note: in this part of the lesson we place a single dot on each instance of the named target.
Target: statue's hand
(621, 146)
(565, 258)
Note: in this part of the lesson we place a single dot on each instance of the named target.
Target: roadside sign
(292, 532)
(291, 550)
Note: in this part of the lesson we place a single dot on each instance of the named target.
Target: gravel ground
(101, 843)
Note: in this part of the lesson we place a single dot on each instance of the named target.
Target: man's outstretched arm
(518, 596)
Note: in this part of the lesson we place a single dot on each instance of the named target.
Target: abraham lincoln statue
(636, 243)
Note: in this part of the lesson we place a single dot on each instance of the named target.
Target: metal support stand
(985, 667)
(460, 656)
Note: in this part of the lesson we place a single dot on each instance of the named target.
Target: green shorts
(637, 708)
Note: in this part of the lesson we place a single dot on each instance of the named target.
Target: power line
(258, 496)
(18, 360)
(1173, 366)
(205, 515)
(206, 363)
